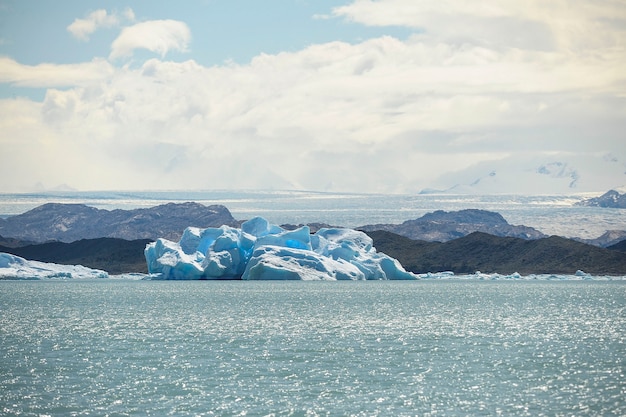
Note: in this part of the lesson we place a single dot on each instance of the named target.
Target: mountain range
(71, 222)
(442, 226)
(610, 199)
(461, 241)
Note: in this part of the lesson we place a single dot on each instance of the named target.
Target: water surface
(312, 348)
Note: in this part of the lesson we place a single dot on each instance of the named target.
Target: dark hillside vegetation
(620, 246)
(115, 256)
(505, 255)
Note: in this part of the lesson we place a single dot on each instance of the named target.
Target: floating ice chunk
(190, 240)
(281, 263)
(259, 227)
(295, 239)
(479, 276)
(260, 250)
(212, 253)
(438, 275)
(14, 267)
(342, 243)
(172, 261)
(393, 269)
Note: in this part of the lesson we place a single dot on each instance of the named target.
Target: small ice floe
(14, 267)
(480, 276)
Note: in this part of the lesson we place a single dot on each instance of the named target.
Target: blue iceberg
(263, 251)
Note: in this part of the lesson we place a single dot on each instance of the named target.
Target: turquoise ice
(263, 251)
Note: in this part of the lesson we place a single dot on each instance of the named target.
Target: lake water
(430, 348)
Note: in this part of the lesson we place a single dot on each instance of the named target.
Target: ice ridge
(263, 251)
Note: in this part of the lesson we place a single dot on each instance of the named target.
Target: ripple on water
(368, 348)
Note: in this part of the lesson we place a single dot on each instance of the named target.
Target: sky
(367, 96)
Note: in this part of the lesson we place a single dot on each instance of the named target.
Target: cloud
(54, 75)
(160, 36)
(381, 115)
(532, 24)
(537, 173)
(82, 28)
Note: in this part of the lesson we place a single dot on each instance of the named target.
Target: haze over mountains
(460, 241)
(71, 222)
(441, 226)
(554, 174)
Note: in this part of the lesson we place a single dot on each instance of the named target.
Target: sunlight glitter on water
(371, 348)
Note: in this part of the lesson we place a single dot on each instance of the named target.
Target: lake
(430, 348)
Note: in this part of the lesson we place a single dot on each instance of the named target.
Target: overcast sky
(386, 96)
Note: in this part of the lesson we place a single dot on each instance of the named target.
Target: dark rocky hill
(505, 255)
(620, 246)
(71, 222)
(442, 226)
(115, 256)
(13, 243)
(610, 199)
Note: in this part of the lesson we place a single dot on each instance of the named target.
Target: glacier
(14, 267)
(260, 250)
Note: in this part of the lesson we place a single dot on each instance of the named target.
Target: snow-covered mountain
(610, 199)
(551, 174)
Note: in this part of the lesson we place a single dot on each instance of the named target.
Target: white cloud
(383, 115)
(158, 36)
(83, 28)
(129, 14)
(54, 75)
(561, 24)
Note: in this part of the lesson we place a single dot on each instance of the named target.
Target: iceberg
(14, 267)
(263, 251)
